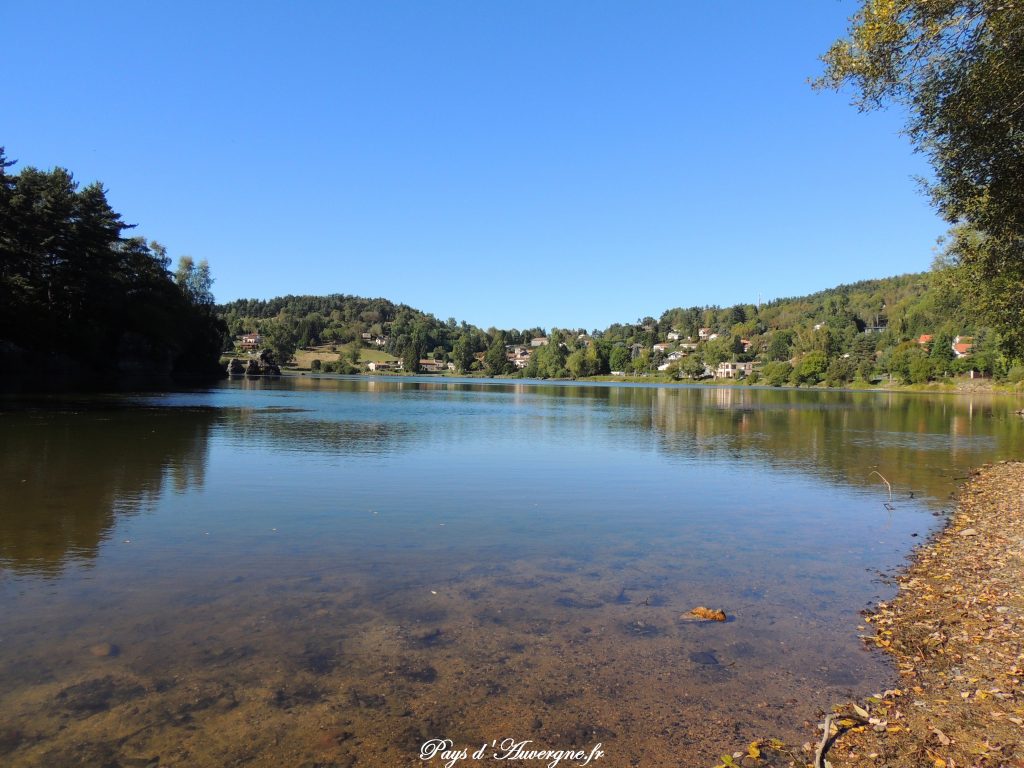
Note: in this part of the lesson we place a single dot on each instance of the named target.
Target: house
(251, 341)
(925, 338)
(704, 334)
(664, 366)
(428, 365)
(746, 344)
(662, 347)
(673, 336)
(689, 346)
(385, 365)
(733, 370)
(539, 341)
(518, 355)
(712, 337)
(962, 346)
(677, 355)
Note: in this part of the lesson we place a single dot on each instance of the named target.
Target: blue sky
(513, 164)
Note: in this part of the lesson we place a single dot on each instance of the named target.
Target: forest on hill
(903, 328)
(81, 300)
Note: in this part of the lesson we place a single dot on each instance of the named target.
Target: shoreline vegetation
(955, 633)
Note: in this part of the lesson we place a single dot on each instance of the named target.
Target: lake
(325, 571)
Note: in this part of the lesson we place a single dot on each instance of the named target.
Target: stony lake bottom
(324, 571)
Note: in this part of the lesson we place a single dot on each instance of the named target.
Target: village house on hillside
(251, 341)
(733, 370)
(377, 341)
(518, 355)
(962, 346)
(539, 341)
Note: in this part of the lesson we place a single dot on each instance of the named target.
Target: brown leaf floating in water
(707, 614)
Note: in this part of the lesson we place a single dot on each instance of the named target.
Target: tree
(73, 283)
(411, 358)
(619, 358)
(811, 368)
(691, 366)
(576, 362)
(282, 340)
(778, 347)
(956, 66)
(920, 369)
(840, 371)
(195, 281)
(776, 373)
(462, 354)
(353, 353)
(496, 358)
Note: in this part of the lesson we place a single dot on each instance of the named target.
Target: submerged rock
(104, 650)
(705, 658)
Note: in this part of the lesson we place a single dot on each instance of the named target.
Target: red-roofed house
(962, 346)
(925, 338)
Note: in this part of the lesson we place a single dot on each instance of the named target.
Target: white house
(733, 370)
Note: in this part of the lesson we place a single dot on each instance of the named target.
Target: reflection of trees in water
(65, 477)
(918, 442)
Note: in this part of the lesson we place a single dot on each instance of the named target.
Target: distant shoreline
(968, 387)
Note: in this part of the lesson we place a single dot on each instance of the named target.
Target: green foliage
(548, 361)
(956, 66)
(280, 337)
(195, 281)
(810, 369)
(72, 284)
(776, 373)
(619, 358)
(920, 369)
(462, 354)
(779, 346)
(691, 366)
(841, 371)
(496, 359)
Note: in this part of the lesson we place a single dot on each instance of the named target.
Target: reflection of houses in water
(923, 441)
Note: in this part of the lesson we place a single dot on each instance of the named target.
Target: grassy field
(323, 353)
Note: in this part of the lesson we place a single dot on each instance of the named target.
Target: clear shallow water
(332, 571)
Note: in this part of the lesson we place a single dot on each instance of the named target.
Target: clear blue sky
(537, 162)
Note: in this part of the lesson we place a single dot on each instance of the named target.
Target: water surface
(329, 571)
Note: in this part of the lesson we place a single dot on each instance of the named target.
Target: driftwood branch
(876, 472)
(828, 738)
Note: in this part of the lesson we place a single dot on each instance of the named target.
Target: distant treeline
(863, 331)
(79, 298)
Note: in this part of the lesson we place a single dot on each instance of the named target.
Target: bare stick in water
(884, 481)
